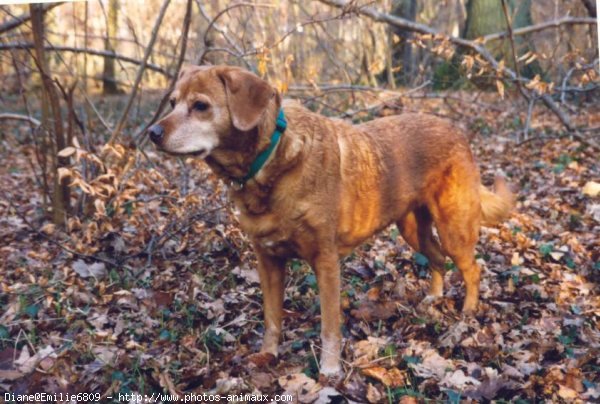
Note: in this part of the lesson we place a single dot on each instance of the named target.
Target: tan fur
(496, 206)
(328, 186)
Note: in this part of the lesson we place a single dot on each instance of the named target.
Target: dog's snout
(156, 133)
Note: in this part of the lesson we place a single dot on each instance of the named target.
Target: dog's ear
(247, 97)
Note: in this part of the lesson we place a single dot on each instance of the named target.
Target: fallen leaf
(300, 385)
(66, 152)
(591, 188)
(370, 311)
(390, 378)
(96, 270)
(367, 350)
(373, 394)
(262, 359)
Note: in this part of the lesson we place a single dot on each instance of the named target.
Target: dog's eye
(172, 102)
(200, 106)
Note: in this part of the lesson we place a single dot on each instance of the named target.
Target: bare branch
(22, 19)
(18, 117)
(89, 51)
(542, 26)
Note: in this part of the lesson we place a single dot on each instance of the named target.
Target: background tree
(487, 17)
(51, 130)
(109, 82)
(402, 49)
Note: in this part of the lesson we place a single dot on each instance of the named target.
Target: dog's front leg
(327, 269)
(271, 271)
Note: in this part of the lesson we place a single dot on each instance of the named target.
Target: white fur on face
(192, 136)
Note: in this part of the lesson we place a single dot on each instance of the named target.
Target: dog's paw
(428, 306)
(330, 376)
(262, 359)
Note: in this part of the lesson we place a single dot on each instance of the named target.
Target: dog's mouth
(202, 153)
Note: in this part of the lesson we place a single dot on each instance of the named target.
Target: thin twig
(511, 38)
(140, 73)
(163, 102)
(218, 28)
(207, 47)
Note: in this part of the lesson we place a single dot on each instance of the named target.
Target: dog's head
(212, 105)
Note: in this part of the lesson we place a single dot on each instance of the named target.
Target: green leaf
(453, 396)
(565, 339)
(32, 310)
(411, 359)
(588, 384)
(296, 265)
(450, 266)
(117, 375)
(390, 350)
(420, 259)
(297, 345)
(546, 249)
(164, 335)
(4, 333)
(311, 281)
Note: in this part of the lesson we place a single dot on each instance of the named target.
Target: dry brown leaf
(373, 394)
(390, 378)
(367, 350)
(370, 311)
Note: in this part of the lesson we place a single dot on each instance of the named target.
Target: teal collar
(259, 161)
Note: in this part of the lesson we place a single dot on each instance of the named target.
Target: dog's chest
(270, 232)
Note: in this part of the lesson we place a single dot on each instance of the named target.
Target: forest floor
(152, 287)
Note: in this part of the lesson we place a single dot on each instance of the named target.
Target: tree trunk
(486, 17)
(590, 5)
(52, 122)
(109, 81)
(402, 52)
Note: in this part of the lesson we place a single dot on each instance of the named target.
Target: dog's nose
(156, 133)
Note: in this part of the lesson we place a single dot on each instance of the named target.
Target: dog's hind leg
(416, 229)
(456, 212)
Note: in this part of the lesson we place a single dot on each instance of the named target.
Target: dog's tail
(496, 206)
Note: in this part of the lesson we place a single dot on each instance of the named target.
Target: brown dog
(326, 186)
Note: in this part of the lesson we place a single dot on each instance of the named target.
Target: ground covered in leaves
(152, 287)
